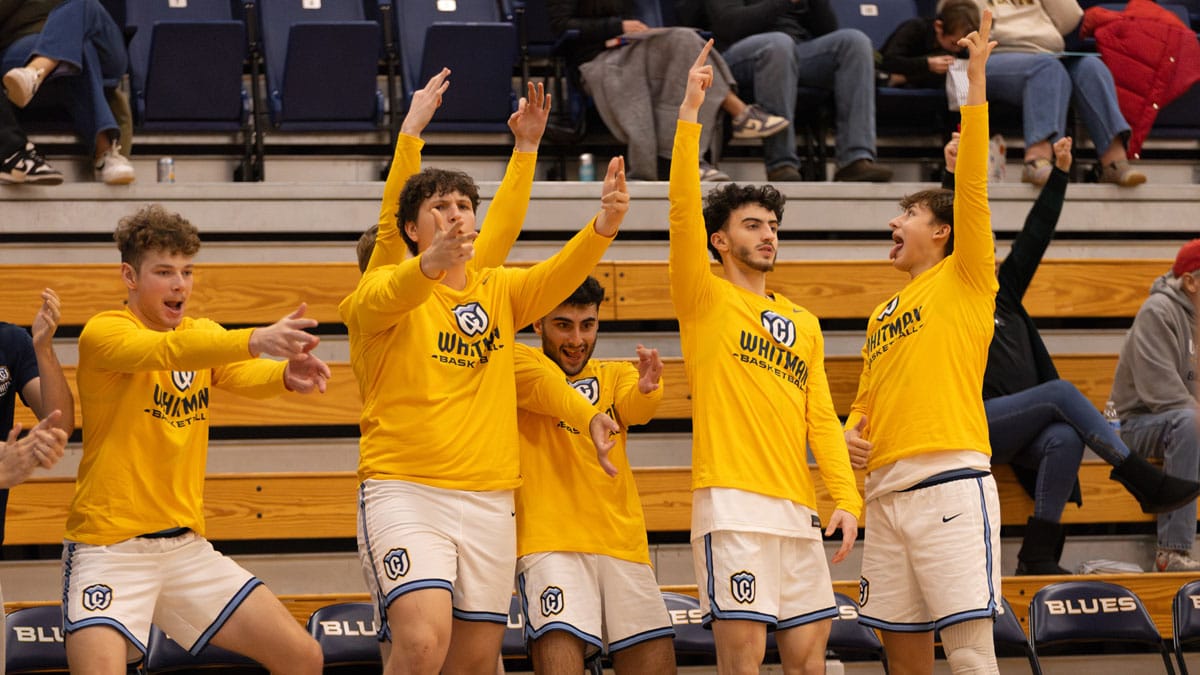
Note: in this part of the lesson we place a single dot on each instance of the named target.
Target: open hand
(425, 101)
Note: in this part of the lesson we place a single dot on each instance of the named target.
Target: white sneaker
(1175, 561)
(22, 83)
(112, 168)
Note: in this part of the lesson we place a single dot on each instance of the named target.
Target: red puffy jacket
(1153, 56)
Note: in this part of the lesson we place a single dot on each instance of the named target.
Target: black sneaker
(28, 166)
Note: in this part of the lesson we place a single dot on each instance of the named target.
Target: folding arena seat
(164, 655)
(1010, 637)
(512, 649)
(432, 35)
(693, 642)
(185, 65)
(347, 634)
(33, 641)
(1089, 612)
(322, 57)
(851, 640)
(1185, 620)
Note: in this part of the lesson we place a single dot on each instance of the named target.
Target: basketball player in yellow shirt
(931, 558)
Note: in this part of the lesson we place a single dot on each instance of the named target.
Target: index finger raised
(703, 54)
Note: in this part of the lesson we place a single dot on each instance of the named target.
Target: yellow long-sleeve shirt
(926, 347)
(435, 365)
(144, 395)
(566, 502)
(756, 366)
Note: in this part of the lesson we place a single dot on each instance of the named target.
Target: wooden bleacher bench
(257, 293)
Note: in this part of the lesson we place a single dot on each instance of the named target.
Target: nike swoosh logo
(946, 519)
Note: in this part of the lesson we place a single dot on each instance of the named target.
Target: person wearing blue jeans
(1153, 391)
(1028, 70)
(78, 41)
(773, 47)
(1039, 423)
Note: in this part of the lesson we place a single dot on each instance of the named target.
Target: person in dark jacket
(1038, 422)
(920, 51)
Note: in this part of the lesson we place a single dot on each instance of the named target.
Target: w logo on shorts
(589, 387)
(742, 587)
(395, 563)
(780, 327)
(97, 597)
(183, 379)
(552, 601)
(864, 591)
(471, 318)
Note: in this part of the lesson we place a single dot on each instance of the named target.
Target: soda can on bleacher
(587, 167)
(166, 170)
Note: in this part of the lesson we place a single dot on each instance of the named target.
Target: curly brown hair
(724, 200)
(940, 203)
(428, 183)
(153, 228)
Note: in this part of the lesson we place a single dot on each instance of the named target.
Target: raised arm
(974, 247)
(539, 289)
(507, 211)
(1018, 269)
(49, 391)
(689, 267)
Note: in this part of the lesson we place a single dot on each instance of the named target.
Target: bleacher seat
(33, 641)
(513, 649)
(1090, 612)
(1008, 636)
(347, 634)
(322, 57)
(693, 642)
(1185, 620)
(851, 640)
(164, 655)
(433, 35)
(185, 65)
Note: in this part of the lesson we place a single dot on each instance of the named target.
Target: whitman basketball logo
(97, 597)
(780, 327)
(742, 587)
(5, 380)
(472, 319)
(589, 387)
(183, 379)
(552, 601)
(395, 563)
(887, 311)
(864, 591)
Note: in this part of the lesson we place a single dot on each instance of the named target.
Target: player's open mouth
(174, 305)
(899, 245)
(573, 354)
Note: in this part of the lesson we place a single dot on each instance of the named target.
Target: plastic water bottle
(587, 167)
(1111, 416)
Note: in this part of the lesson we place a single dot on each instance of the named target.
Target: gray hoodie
(1157, 368)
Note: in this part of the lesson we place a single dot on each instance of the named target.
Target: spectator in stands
(1154, 392)
(583, 566)
(1028, 70)
(635, 76)
(774, 46)
(444, 592)
(757, 369)
(134, 549)
(920, 51)
(29, 368)
(20, 161)
(1038, 422)
(79, 41)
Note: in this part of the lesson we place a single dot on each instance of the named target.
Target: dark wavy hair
(426, 184)
(940, 203)
(724, 200)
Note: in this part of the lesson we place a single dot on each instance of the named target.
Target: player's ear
(720, 241)
(129, 276)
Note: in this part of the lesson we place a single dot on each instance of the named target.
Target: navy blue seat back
(877, 18)
(432, 35)
(164, 655)
(1090, 612)
(692, 640)
(848, 637)
(1009, 636)
(322, 58)
(347, 634)
(185, 64)
(1185, 620)
(33, 641)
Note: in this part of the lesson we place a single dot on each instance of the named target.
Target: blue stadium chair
(164, 655)
(1010, 637)
(185, 65)
(432, 35)
(1082, 612)
(347, 634)
(33, 641)
(851, 640)
(1185, 620)
(512, 649)
(322, 57)
(693, 642)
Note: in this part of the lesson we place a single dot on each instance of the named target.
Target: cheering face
(569, 336)
(455, 208)
(159, 288)
(751, 238)
(917, 240)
